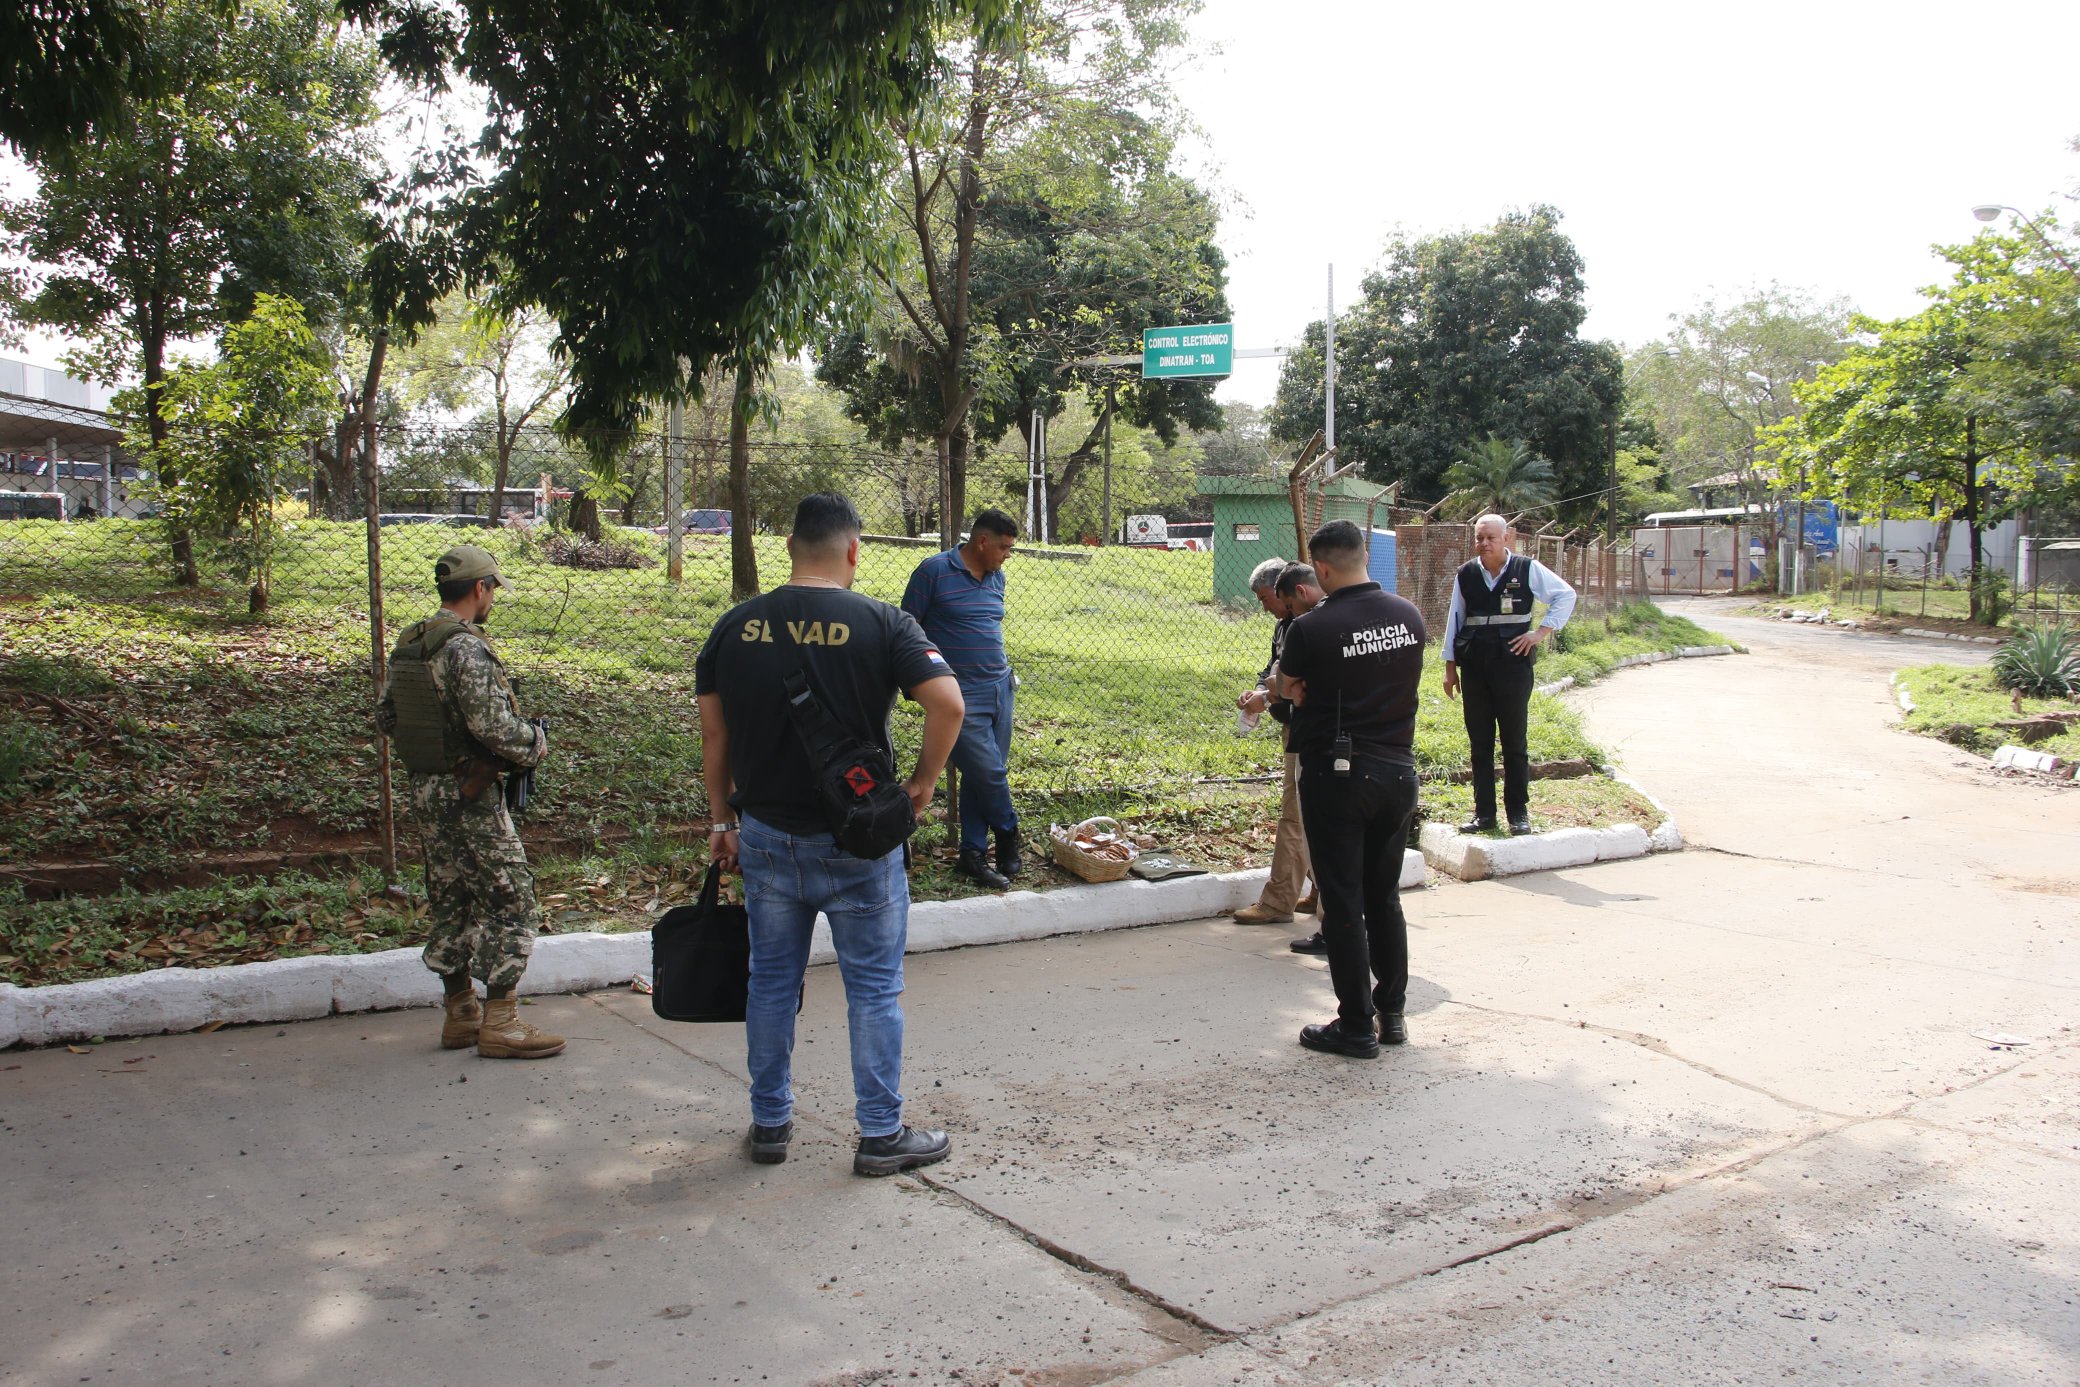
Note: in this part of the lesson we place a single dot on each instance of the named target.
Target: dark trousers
(1495, 691)
(1357, 828)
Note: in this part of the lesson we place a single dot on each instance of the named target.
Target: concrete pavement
(1708, 1117)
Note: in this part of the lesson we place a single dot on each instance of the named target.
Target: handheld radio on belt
(1340, 749)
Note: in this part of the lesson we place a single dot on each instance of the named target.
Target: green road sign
(1208, 350)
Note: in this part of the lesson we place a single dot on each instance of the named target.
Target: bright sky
(1693, 149)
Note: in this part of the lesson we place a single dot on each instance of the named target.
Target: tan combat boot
(504, 1036)
(459, 1031)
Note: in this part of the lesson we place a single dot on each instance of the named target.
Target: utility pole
(1329, 369)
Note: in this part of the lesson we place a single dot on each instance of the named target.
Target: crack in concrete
(1155, 1300)
(1204, 1332)
(1656, 1045)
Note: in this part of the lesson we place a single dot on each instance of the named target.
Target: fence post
(675, 494)
(378, 653)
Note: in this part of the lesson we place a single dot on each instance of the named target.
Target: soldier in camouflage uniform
(450, 711)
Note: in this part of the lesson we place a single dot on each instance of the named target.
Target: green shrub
(23, 747)
(2043, 660)
(1995, 593)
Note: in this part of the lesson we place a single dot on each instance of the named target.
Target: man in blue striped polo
(958, 597)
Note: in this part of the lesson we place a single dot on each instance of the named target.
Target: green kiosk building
(1253, 521)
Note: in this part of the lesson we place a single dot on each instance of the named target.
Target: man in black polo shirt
(1352, 666)
(854, 653)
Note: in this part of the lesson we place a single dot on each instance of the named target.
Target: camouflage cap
(467, 561)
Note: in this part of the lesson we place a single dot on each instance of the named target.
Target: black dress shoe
(974, 864)
(1392, 1030)
(1333, 1039)
(904, 1149)
(1311, 945)
(1477, 825)
(1520, 826)
(769, 1144)
(1010, 862)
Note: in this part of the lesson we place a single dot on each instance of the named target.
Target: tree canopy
(1901, 422)
(1035, 220)
(678, 184)
(1457, 337)
(1726, 374)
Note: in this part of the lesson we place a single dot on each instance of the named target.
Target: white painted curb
(1948, 636)
(2020, 758)
(1906, 700)
(1651, 657)
(1475, 858)
(297, 989)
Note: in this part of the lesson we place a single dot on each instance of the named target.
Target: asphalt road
(1710, 1117)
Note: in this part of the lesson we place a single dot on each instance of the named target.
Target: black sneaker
(974, 864)
(1331, 1038)
(904, 1149)
(1311, 945)
(769, 1144)
(1010, 861)
(1392, 1029)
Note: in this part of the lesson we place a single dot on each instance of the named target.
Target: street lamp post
(1986, 212)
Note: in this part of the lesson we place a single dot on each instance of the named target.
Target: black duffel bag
(700, 959)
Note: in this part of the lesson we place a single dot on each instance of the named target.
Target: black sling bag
(869, 810)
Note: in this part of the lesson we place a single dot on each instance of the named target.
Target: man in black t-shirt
(1352, 666)
(855, 654)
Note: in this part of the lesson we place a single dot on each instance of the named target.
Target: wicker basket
(1102, 861)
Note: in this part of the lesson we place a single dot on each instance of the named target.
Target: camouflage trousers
(479, 889)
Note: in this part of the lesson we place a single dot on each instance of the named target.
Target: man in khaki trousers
(1287, 591)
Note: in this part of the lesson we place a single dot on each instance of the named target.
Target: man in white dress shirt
(1488, 645)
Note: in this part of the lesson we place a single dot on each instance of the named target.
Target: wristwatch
(722, 828)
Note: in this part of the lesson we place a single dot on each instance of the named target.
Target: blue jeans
(788, 879)
(981, 756)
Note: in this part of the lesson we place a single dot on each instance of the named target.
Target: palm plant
(1501, 475)
(2042, 660)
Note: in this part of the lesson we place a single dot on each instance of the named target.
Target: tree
(1899, 420)
(679, 185)
(494, 364)
(1241, 446)
(1455, 338)
(232, 435)
(1727, 374)
(1501, 475)
(166, 222)
(1088, 241)
(972, 166)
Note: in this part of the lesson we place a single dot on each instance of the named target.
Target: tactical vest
(430, 737)
(1493, 617)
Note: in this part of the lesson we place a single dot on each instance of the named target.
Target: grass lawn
(145, 726)
(1962, 706)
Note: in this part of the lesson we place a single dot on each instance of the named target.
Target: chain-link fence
(231, 713)
(1903, 581)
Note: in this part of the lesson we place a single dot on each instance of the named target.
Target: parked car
(706, 520)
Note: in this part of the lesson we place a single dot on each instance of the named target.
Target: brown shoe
(504, 1036)
(1258, 915)
(459, 1031)
(1305, 905)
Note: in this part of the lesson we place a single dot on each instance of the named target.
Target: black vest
(1492, 618)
